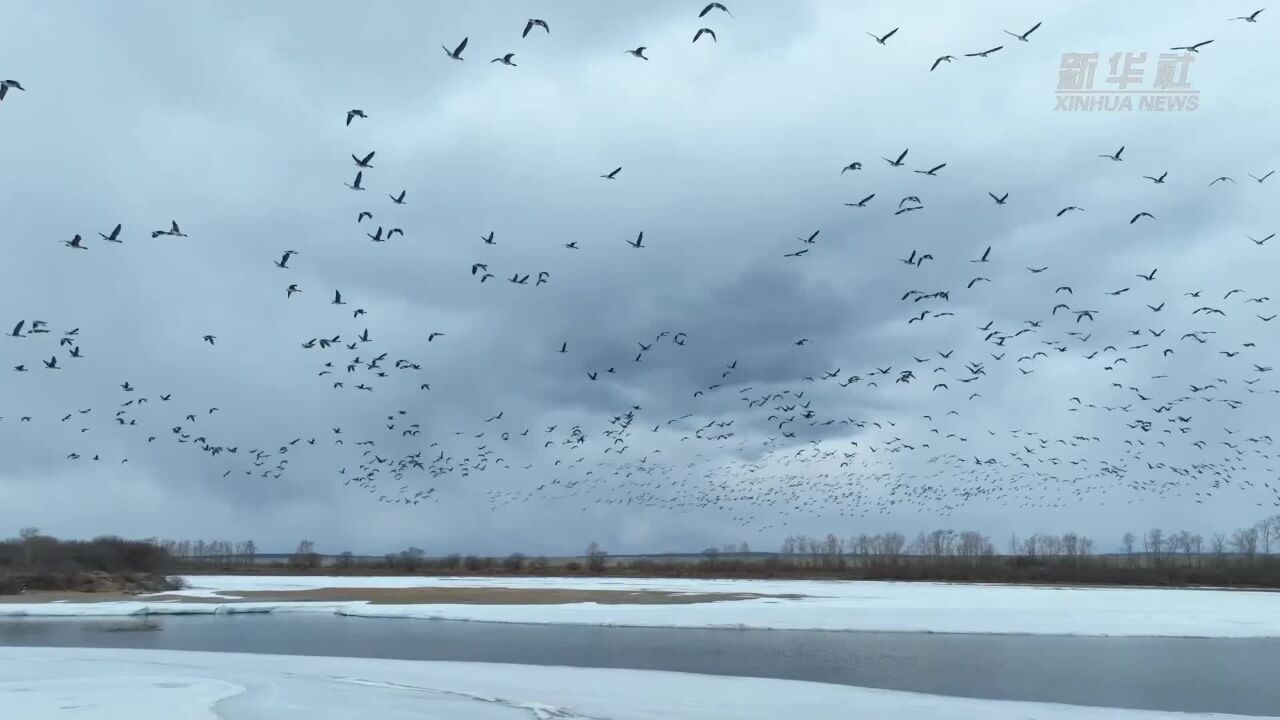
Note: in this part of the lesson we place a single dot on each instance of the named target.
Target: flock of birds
(766, 453)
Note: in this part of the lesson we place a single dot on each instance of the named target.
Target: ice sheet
(824, 605)
(48, 683)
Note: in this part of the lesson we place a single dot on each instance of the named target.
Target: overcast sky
(229, 118)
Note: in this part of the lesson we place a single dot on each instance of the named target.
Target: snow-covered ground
(825, 605)
(46, 683)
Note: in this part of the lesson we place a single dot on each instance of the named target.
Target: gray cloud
(229, 119)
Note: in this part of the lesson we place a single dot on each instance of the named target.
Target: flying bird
(638, 52)
(534, 22)
(456, 53)
(886, 36)
(898, 162)
(505, 60)
(1023, 37)
(705, 31)
(725, 10)
(6, 84)
(613, 174)
(354, 114)
(939, 61)
(114, 236)
(984, 53)
(1252, 17)
(173, 230)
(1192, 48)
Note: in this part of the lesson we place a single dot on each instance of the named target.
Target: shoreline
(398, 596)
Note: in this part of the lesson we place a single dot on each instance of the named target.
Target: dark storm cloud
(228, 117)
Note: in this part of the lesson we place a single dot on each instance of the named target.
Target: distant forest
(1242, 558)
(33, 561)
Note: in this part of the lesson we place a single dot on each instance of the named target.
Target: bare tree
(711, 554)
(892, 543)
(597, 559)
(1245, 542)
(789, 545)
(1070, 544)
(973, 544)
(412, 557)
(28, 536)
(305, 556)
(1266, 531)
(1219, 544)
(1153, 541)
(1030, 545)
(1176, 541)
(1050, 545)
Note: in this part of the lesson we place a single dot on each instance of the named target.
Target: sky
(714, 425)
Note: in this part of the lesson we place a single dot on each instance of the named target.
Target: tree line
(35, 561)
(1245, 556)
(216, 552)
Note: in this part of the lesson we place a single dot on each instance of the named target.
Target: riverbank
(1140, 570)
(398, 596)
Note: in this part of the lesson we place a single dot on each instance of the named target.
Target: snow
(48, 683)
(824, 605)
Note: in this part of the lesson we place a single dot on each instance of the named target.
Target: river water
(1188, 675)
